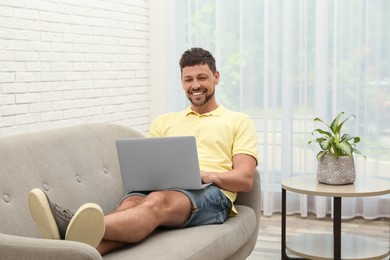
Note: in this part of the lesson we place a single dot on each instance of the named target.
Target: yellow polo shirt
(220, 134)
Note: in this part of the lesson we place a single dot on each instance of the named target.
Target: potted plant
(336, 164)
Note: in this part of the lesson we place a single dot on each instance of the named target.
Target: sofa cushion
(203, 242)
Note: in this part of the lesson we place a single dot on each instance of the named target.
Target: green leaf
(356, 139)
(319, 120)
(346, 137)
(325, 143)
(322, 132)
(358, 152)
(335, 124)
(321, 154)
(342, 123)
(345, 147)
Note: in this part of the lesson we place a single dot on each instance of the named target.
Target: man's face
(199, 84)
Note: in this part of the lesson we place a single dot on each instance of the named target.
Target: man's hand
(239, 179)
(208, 177)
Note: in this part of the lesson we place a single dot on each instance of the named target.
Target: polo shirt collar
(216, 112)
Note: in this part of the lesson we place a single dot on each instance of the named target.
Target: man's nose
(195, 85)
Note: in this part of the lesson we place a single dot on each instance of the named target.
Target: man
(227, 148)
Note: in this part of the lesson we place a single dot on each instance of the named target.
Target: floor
(269, 239)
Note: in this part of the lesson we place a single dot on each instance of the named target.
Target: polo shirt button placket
(198, 119)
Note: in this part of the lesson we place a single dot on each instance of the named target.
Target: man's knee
(164, 201)
(155, 200)
(173, 208)
(130, 202)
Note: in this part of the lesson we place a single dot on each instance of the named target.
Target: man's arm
(240, 179)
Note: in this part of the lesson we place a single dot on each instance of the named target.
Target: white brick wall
(69, 62)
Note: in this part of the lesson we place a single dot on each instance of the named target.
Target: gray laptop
(159, 163)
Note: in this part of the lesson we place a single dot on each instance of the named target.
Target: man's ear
(216, 77)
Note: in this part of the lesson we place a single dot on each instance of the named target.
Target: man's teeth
(197, 93)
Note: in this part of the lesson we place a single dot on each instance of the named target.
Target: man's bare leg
(105, 245)
(138, 217)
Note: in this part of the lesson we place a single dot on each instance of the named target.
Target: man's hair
(197, 56)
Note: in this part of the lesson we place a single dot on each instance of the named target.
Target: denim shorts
(209, 205)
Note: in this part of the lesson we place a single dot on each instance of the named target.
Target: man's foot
(87, 225)
(51, 219)
(54, 222)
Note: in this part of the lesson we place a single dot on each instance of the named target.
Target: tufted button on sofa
(79, 164)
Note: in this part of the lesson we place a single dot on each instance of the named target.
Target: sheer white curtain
(285, 63)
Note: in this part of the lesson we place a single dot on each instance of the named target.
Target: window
(285, 63)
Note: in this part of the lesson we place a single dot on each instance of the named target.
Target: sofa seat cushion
(208, 242)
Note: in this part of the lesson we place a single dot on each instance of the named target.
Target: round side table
(328, 246)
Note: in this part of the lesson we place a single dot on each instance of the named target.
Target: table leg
(337, 227)
(284, 256)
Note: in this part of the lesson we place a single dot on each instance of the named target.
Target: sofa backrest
(74, 165)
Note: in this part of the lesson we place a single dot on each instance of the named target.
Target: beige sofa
(79, 164)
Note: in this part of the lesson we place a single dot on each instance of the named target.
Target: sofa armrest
(253, 198)
(250, 199)
(17, 247)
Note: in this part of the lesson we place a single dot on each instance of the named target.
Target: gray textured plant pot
(336, 171)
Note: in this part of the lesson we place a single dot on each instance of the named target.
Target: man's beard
(200, 102)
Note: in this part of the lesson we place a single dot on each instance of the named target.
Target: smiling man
(227, 151)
